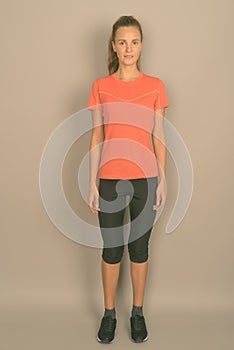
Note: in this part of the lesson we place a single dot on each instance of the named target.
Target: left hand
(160, 195)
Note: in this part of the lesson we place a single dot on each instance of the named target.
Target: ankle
(110, 312)
(137, 310)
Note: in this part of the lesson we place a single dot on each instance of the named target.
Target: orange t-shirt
(128, 118)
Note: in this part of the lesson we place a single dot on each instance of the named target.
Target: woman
(125, 163)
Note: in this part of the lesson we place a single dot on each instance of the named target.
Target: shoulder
(153, 79)
(102, 80)
(156, 84)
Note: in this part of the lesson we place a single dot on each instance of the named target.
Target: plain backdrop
(51, 52)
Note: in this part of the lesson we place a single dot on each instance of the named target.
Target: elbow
(97, 136)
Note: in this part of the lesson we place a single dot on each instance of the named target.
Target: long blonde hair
(123, 21)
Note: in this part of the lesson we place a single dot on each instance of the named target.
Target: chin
(129, 62)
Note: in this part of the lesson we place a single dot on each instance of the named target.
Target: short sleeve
(161, 100)
(94, 102)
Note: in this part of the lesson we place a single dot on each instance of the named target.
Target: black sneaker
(138, 329)
(106, 331)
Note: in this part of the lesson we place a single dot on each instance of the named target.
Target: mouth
(128, 56)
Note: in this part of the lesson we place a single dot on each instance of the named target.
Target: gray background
(51, 288)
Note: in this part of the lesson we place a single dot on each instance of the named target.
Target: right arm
(96, 144)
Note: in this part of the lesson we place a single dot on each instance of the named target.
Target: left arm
(159, 145)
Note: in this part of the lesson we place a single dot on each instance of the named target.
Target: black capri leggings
(113, 195)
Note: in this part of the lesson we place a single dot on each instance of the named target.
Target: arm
(96, 146)
(159, 145)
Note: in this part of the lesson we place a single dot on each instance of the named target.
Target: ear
(113, 45)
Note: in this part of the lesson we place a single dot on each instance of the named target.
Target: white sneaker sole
(100, 341)
(144, 340)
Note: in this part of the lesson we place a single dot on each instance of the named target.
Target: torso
(128, 111)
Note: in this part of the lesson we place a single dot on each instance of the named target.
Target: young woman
(127, 109)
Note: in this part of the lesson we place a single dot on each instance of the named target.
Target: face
(127, 45)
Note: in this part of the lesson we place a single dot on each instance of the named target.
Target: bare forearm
(159, 144)
(94, 158)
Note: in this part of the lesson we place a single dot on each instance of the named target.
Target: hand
(160, 195)
(94, 199)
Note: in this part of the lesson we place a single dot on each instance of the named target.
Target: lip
(128, 56)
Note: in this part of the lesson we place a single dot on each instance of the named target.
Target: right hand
(94, 199)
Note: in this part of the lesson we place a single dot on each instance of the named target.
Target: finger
(96, 204)
(94, 211)
(92, 207)
(158, 200)
(156, 206)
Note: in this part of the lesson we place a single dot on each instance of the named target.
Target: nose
(128, 48)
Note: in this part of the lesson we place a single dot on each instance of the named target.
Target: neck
(127, 72)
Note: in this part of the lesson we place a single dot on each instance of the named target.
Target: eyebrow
(125, 40)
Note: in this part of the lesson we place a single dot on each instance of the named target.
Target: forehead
(128, 32)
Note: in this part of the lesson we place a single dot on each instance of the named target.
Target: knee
(112, 255)
(138, 255)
